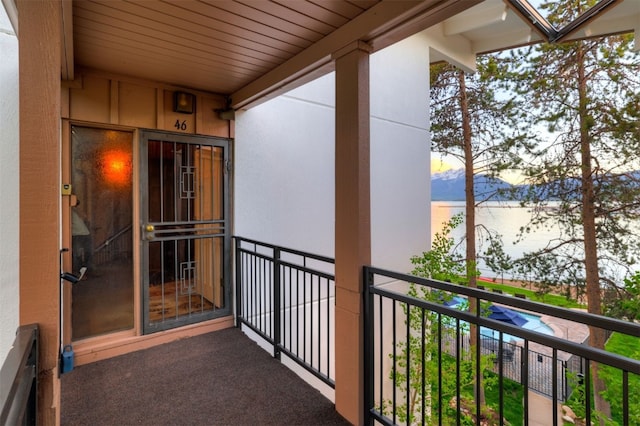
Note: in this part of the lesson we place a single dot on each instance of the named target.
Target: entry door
(185, 229)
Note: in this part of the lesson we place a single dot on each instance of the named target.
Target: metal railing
(117, 246)
(288, 298)
(420, 369)
(19, 379)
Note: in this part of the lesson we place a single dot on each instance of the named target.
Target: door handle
(149, 231)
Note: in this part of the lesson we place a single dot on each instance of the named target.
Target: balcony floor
(217, 378)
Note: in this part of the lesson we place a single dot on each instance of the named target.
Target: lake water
(505, 218)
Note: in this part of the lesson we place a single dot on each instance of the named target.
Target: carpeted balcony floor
(220, 378)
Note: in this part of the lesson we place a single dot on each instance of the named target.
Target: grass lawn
(550, 299)
(629, 347)
(512, 394)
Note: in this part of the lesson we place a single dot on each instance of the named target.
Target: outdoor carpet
(220, 378)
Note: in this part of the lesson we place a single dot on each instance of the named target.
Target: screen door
(185, 230)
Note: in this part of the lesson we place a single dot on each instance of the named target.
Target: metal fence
(288, 298)
(19, 379)
(507, 359)
(419, 368)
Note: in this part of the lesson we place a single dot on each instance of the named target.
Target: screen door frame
(152, 231)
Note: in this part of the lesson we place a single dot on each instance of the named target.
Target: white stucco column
(353, 223)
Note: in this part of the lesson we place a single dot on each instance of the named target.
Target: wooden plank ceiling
(253, 49)
(215, 45)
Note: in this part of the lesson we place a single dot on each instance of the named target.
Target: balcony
(421, 362)
(287, 297)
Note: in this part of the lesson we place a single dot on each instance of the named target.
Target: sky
(439, 165)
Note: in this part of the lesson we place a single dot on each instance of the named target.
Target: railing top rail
(291, 265)
(594, 354)
(287, 250)
(309, 270)
(114, 236)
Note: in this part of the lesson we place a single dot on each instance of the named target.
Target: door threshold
(104, 347)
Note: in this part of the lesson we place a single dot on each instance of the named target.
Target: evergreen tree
(586, 96)
(476, 121)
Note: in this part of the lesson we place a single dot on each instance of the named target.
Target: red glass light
(116, 167)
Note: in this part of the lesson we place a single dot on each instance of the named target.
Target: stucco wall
(9, 218)
(284, 173)
(400, 185)
(284, 170)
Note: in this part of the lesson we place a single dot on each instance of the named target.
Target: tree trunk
(470, 224)
(597, 336)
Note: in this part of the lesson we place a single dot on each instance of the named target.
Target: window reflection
(102, 238)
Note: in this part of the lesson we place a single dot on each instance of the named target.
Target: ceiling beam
(454, 49)
(474, 18)
(12, 13)
(604, 26)
(519, 37)
(382, 25)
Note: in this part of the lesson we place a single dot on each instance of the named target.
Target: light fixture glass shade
(183, 102)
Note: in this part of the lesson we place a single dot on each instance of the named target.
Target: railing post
(276, 303)
(368, 345)
(238, 260)
(565, 384)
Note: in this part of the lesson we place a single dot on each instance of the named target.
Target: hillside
(449, 186)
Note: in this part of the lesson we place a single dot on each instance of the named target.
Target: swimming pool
(534, 323)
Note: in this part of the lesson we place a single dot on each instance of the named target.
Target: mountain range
(449, 186)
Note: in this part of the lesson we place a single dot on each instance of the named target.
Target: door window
(102, 239)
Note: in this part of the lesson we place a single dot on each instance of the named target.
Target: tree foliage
(420, 359)
(442, 262)
(476, 122)
(477, 119)
(496, 131)
(624, 302)
(584, 97)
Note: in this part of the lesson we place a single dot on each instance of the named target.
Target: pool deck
(540, 410)
(564, 329)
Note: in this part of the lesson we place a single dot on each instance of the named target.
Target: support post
(39, 66)
(353, 223)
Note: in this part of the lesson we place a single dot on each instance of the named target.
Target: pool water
(533, 323)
